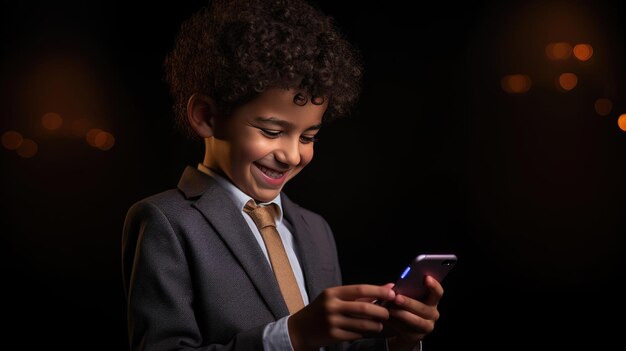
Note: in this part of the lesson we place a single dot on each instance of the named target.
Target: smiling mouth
(274, 174)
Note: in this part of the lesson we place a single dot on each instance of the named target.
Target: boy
(255, 80)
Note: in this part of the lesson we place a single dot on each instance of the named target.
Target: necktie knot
(263, 216)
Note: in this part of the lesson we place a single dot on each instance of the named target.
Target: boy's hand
(340, 313)
(411, 320)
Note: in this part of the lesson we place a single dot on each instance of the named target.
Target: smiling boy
(255, 80)
(263, 144)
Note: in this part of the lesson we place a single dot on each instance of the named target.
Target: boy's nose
(289, 152)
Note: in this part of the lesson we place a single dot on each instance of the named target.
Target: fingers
(411, 306)
(363, 291)
(337, 314)
(426, 308)
(414, 319)
(362, 310)
(355, 325)
(411, 319)
(350, 307)
(377, 301)
(412, 322)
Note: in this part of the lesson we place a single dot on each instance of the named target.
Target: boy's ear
(201, 115)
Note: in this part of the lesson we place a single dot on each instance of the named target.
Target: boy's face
(265, 142)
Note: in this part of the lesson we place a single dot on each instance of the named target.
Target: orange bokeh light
(568, 81)
(621, 122)
(603, 106)
(100, 139)
(12, 140)
(91, 136)
(27, 149)
(104, 141)
(52, 121)
(583, 52)
(516, 83)
(558, 51)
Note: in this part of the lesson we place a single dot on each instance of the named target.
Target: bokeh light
(12, 140)
(621, 122)
(567, 81)
(603, 106)
(100, 139)
(516, 83)
(559, 51)
(104, 141)
(91, 136)
(51, 121)
(28, 148)
(583, 52)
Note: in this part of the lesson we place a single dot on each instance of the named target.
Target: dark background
(527, 189)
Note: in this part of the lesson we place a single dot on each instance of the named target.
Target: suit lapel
(220, 211)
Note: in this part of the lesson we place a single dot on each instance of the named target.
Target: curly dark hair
(234, 50)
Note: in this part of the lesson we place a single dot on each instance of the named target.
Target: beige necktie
(263, 217)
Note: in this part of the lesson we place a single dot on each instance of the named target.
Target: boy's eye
(307, 139)
(270, 133)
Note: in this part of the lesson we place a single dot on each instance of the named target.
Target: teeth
(270, 172)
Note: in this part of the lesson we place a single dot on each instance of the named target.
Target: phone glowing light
(406, 271)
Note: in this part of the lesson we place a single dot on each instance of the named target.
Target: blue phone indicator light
(406, 271)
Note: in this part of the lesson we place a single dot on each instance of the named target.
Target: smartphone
(411, 281)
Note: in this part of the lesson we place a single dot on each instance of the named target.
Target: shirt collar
(239, 197)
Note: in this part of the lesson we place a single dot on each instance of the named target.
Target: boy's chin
(265, 195)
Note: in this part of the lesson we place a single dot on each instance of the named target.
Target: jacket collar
(214, 203)
(216, 206)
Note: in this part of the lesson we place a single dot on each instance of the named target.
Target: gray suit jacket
(196, 279)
